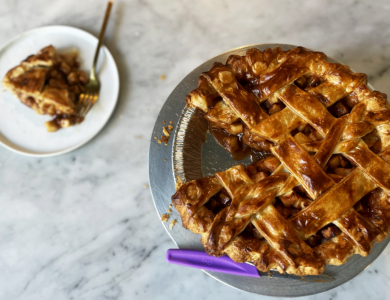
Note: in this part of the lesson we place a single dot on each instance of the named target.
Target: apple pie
(49, 83)
(322, 193)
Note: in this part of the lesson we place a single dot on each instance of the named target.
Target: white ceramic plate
(21, 129)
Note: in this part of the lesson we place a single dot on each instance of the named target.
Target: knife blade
(224, 264)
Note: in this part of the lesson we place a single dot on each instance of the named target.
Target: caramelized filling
(272, 106)
(323, 235)
(339, 109)
(285, 211)
(63, 121)
(219, 201)
(307, 81)
(251, 231)
(66, 76)
(30, 102)
(235, 145)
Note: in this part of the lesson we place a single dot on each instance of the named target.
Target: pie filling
(49, 83)
(318, 188)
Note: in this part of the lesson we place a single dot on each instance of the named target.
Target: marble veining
(83, 225)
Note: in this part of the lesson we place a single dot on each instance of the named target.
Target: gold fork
(91, 94)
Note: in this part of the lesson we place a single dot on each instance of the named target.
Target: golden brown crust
(331, 139)
(29, 81)
(359, 230)
(278, 125)
(242, 102)
(202, 97)
(194, 194)
(317, 215)
(298, 62)
(336, 251)
(307, 107)
(372, 164)
(303, 167)
(221, 114)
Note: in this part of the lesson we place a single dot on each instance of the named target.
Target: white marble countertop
(83, 225)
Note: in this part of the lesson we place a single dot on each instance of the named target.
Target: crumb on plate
(172, 224)
(165, 217)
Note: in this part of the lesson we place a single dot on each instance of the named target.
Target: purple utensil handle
(201, 260)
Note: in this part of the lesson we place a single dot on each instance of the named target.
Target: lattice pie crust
(322, 193)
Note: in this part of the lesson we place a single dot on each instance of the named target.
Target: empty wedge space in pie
(50, 83)
(322, 193)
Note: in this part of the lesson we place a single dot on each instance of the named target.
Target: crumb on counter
(162, 77)
(172, 224)
(164, 122)
(165, 217)
(171, 122)
(146, 186)
(155, 137)
(165, 159)
(170, 205)
(169, 210)
(140, 136)
(159, 141)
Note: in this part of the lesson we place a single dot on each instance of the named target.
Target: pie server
(224, 264)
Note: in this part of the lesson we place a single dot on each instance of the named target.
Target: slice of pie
(50, 83)
(323, 192)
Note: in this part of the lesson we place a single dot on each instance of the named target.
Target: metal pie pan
(189, 155)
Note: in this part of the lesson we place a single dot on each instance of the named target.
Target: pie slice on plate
(49, 83)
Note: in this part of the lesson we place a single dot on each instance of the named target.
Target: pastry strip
(242, 102)
(307, 107)
(303, 167)
(358, 229)
(333, 204)
(278, 125)
(372, 164)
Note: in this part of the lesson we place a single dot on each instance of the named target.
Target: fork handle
(101, 37)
